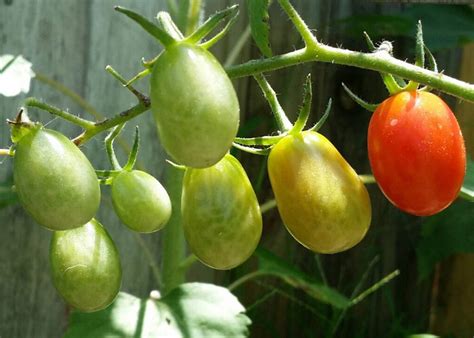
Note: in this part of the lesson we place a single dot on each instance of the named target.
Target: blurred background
(70, 43)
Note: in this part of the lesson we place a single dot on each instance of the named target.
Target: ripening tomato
(221, 216)
(416, 151)
(55, 182)
(321, 199)
(195, 105)
(85, 266)
(140, 201)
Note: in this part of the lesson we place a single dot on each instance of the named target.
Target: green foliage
(190, 310)
(467, 190)
(444, 234)
(7, 195)
(271, 264)
(258, 17)
(454, 23)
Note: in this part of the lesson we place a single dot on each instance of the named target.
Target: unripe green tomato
(55, 182)
(85, 266)
(140, 201)
(195, 105)
(221, 216)
(321, 199)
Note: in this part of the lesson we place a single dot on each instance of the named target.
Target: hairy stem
(32, 102)
(101, 126)
(378, 61)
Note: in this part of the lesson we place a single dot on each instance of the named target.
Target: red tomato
(416, 151)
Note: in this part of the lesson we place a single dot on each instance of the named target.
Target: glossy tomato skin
(140, 201)
(221, 215)
(416, 151)
(321, 199)
(194, 104)
(85, 266)
(55, 182)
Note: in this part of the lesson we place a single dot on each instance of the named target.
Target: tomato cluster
(415, 148)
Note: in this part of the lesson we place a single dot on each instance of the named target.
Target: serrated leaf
(444, 234)
(273, 265)
(189, 311)
(259, 26)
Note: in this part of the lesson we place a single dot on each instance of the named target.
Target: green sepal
(22, 126)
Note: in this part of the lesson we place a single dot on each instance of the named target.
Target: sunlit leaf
(189, 311)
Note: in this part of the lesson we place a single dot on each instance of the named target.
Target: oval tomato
(321, 199)
(85, 266)
(195, 105)
(416, 151)
(221, 216)
(140, 201)
(55, 182)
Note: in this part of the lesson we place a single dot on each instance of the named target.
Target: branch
(379, 61)
(101, 126)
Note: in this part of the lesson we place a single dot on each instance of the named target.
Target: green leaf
(258, 18)
(444, 234)
(188, 311)
(273, 265)
(7, 195)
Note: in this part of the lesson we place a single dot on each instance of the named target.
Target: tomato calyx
(168, 33)
(262, 145)
(22, 125)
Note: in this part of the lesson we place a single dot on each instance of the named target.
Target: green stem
(188, 262)
(32, 102)
(367, 179)
(109, 146)
(301, 27)
(173, 242)
(375, 287)
(112, 122)
(379, 61)
(245, 278)
(127, 84)
(6, 152)
(267, 206)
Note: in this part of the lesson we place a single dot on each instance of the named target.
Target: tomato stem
(259, 141)
(132, 157)
(32, 102)
(374, 287)
(7, 152)
(173, 242)
(109, 146)
(127, 84)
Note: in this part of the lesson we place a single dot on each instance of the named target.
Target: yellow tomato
(321, 199)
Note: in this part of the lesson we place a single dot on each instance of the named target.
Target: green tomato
(55, 182)
(321, 199)
(195, 105)
(140, 201)
(85, 266)
(221, 216)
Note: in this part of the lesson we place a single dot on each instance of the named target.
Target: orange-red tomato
(416, 151)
